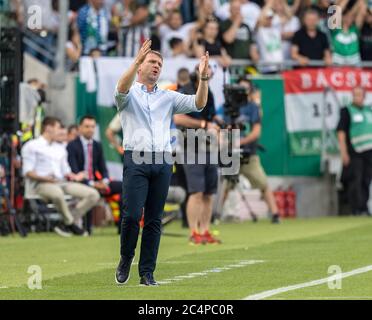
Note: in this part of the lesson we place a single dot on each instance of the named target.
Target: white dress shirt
(146, 116)
(45, 158)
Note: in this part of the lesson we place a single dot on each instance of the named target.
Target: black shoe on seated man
(123, 271)
(275, 218)
(62, 231)
(148, 280)
(74, 229)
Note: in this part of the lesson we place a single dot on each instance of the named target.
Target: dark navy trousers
(144, 186)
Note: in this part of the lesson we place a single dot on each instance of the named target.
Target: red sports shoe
(196, 238)
(208, 238)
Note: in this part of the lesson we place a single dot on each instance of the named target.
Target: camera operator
(251, 168)
(201, 179)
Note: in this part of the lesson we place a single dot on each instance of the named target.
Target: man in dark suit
(86, 155)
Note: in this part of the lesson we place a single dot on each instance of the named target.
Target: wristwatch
(204, 78)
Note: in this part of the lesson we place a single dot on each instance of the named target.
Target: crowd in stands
(268, 32)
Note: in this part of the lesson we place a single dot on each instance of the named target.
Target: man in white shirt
(146, 112)
(45, 164)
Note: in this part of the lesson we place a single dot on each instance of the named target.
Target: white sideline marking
(4, 287)
(270, 293)
(206, 272)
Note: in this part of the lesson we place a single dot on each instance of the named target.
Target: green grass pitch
(294, 252)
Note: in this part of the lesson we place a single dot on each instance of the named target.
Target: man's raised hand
(203, 65)
(145, 49)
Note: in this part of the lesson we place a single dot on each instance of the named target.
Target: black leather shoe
(123, 270)
(275, 219)
(148, 280)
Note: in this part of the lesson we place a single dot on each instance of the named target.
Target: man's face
(150, 69)
(246, 85)
(61, 135)
(72, 135)
(175, 20)
(311, 20)
(87, 128)
(358, 97)
(54, 131)
(235, 8)
(97, 3)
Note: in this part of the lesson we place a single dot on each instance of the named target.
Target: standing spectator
(206, 12)
(237, 36)
(287, 23)
(210, 42)
(93, 24)
(354, 133)
(250, 12)
(345, 41)
(45, 164)
(46, 35)
(122, 13)
(268, 40)
(366, 37)
(174, 28)
(178, 48)
(135, 29)
(73, 49)
(309, 43)
(253, 170)
(201, 177)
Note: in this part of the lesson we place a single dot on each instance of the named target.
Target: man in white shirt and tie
(45, 164)
(145, 113)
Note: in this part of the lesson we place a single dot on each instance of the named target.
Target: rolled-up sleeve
(28, 158)
(121, 99)
(183, 103)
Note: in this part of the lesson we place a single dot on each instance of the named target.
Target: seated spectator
(93, 25)
(85, 156)
(72, 132)
(268, 42)
(45, 164)
(345, 41)
(250, 12)
(174, 28)
(287, 23)
(73, 49)
(309, 43)
(178, 48)
(366, 37)
(210, 42)
(237, 36)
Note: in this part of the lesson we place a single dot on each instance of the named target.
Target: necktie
(90, 161)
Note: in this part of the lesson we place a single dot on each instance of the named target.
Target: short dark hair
(174, 41)
(245, 79)
(72, 127)
(86, 117)
(49, 122)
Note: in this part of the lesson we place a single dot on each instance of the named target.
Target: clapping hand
(145, 49)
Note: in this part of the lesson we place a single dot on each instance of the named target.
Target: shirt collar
(144, 89)
(45, 141)
(85, 141)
